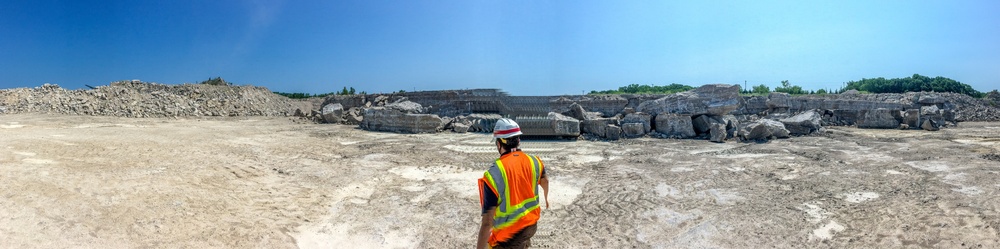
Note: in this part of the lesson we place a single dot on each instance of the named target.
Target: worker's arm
(484, 229)
(544, 182)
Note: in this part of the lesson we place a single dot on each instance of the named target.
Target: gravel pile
(141, 99)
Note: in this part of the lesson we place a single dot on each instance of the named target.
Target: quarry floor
(273, 182)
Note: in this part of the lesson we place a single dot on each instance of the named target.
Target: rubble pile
(141, 99)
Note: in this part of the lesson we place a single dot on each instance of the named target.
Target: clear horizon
(521, 47)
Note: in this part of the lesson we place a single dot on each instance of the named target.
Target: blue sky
(522, 47)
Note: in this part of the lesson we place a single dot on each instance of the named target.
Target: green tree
(915, 83)
(821, 91)
(761, 89)
(352, 90)
(789, 88)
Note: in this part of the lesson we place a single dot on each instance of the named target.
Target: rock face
(762, 130)
(803, 124)
(675, 125)
(717, 99)
(391, 120)
(880, 119)
(332, 113)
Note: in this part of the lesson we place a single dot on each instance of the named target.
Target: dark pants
(521, 239)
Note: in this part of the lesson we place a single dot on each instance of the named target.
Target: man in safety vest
(508, 192)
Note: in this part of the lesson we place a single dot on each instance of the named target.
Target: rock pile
(141, 99)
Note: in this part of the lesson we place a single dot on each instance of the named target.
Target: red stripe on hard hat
(503, 132)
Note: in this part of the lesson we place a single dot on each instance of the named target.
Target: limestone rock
(406, 106)
(354, 116)
(911, 118)
(459, 128)
(930, 99)
(597, 127)
(675, 125)
(803, 124)
(576, 111)
(613, 132)
(642, 118)
(880, 119)
(392, 120)
(717, 133)
(778, 101)
(332, 113)
(564, 126)
(762, 130)
(929, 125)
(633, 129)
(715, 99)
(702, 123)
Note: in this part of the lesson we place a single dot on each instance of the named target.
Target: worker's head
(506, 135)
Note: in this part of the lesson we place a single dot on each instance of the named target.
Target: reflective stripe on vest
(509, 214)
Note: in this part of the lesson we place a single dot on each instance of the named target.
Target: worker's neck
(505, 151)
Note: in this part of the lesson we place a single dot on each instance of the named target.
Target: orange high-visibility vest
(514, 178)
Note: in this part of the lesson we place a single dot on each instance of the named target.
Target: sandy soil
(80, 181)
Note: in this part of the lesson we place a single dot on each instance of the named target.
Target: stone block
(803, 124)
(880, 119)
(598, 126)
(717, 133)
(675, 125)
(332, 113)
(633, 129)
(613, 132)
(382, 119)
(642, 118)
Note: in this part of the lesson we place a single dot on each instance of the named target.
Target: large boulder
(717, 133)
(804, 123)
(406, 106)
(732, 125)
(762, 130)
(598, 126)
(880, 119)
(563, 125)
(675, 125)
(642, 118)
(332, 113)
(576, 111)
(703, 123)
(911, 118)
(633, 129)
(613, 132)
(714, 99)
(391, 120)
(930, 125)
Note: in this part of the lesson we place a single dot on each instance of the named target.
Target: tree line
(915, 83)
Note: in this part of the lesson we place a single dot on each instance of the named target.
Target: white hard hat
(505, 128)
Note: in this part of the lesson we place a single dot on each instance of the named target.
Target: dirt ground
(81, 181)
